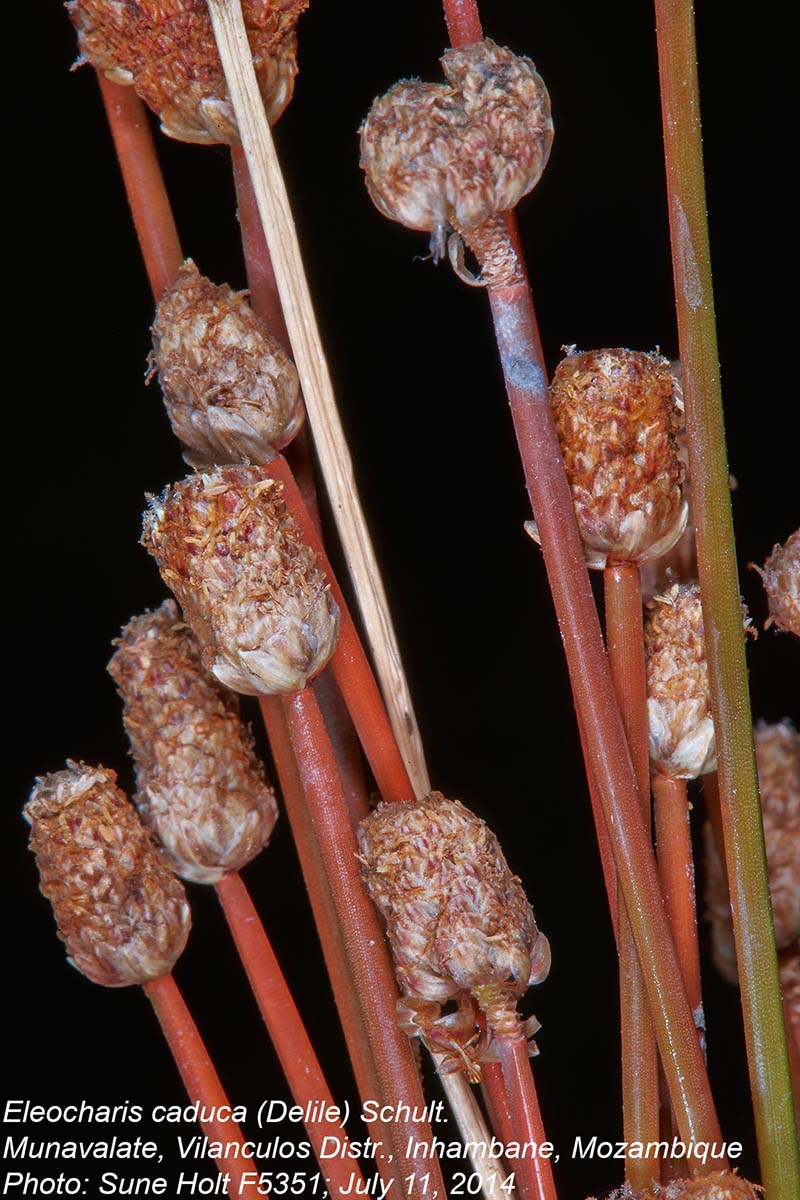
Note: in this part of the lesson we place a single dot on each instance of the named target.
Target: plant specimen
(420, 392)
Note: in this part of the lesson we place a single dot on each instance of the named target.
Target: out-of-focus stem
(525, 1119)
(201, 1080)
(298, 311)
(676, 868)
(365, 944)
(640, 1108)
(285, 1026)
(144, 185)
(716, 554)
(608, 866)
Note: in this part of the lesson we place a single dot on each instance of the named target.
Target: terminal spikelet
(231, 393)
(166, 49)
(200, 787)
(120, 911)
(781, 577)
(248, 585)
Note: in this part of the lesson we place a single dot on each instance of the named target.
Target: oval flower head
(121, 912)
(617, 415)
(231, 393)
(166, 49)
(781, 578)
(457, 920)
(778, 761)
(200, 787)
(718, 1185)
(248, 585)
(439, 156)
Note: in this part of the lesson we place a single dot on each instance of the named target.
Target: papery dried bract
(166, 49)
(231, 392)
(681, 726)
(617, 415)
(437, 156)
(781, 576)
(200, 787)
(248, 585)
(121, 913)
(457, 919)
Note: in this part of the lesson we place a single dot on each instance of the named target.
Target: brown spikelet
(789, 969)
(457, 919)
(719, 1185)
(231, 393)
(617, 413)
(201, 788)
(781, 577)
(166, 49)
(438, 156)
(121, 913)
(778, 760)
(248, 585)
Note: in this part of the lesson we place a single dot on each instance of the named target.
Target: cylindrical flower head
(781, 576)
(719, 1185)
(682, 741)
(778, 761)
(617, 415)
(232, 394)
(166, 49)
(201, 789)
(439, 155)
(248, 585)
(456, 917)
(120, 911)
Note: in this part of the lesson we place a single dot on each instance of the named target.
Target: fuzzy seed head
(440, 155)
(456, 917)
(120, 911)
(682, 741)
(719, 1185)
(778, 761)
(617, 414)
(248, 585)
(200, 787)
(781, 576)
(166, 49)
(231, 393)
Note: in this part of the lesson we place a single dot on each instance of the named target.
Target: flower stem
(144, 185)
(201, 1081)
(525, 1117)
(640, 1100)
(738, 783)
(284, 1024)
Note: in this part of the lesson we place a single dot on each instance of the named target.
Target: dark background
(413, 361)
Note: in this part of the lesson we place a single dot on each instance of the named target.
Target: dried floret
(617, 413)
(457, 919)
(200, 787)
(439, 156)
(682, 741)
(781, 576)
(778, 760)
(120, 911)
(166, 49)
(231, 392)
(249, 587)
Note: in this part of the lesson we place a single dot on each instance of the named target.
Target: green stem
(719, 585)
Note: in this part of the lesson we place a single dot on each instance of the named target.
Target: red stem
(526, 1118)
(463, 21)
(366, 947)
(285, 1026)
(144, 185)
(201, 1082)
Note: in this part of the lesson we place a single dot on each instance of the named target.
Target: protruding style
(778, 759)
(120, 911)
(617, 413)
(200, 787)
(449, 156)
(781, 576)
(231, 392)
(248, 585)
(458, 922)
(167, 52)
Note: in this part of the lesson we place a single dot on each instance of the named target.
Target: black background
(412, 357)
